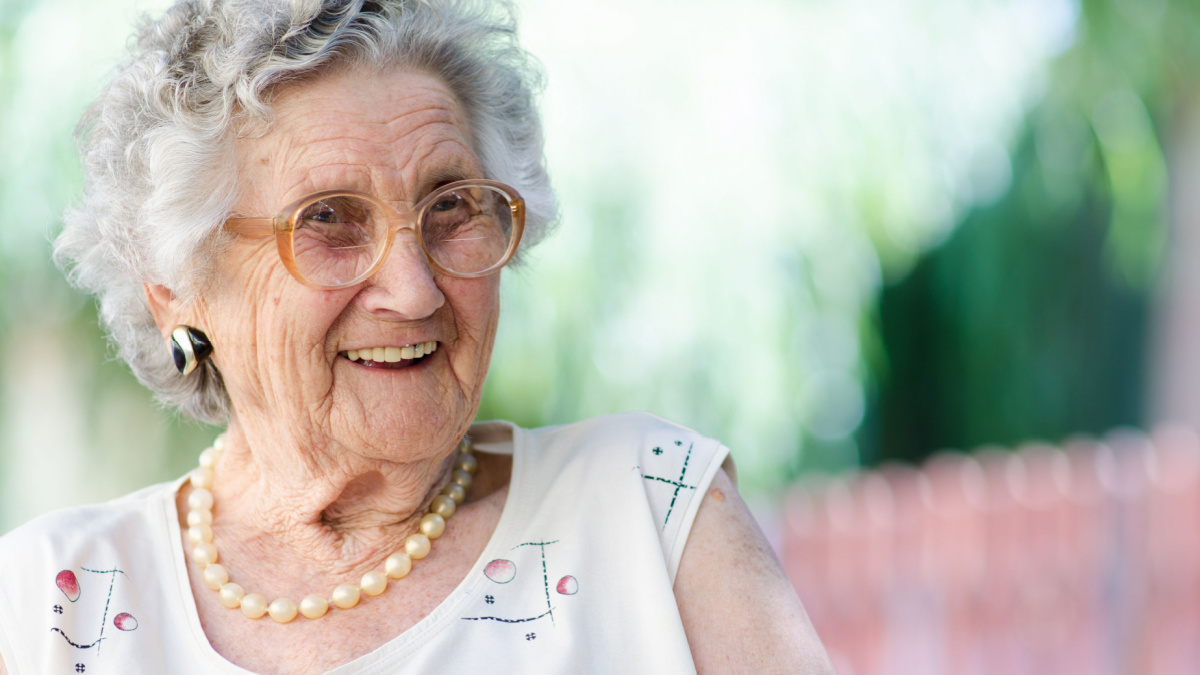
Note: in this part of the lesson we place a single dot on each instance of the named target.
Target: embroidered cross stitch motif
(72, 588)
(677, 482)
(503, 571)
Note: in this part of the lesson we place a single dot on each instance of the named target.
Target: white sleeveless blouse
(576, 577)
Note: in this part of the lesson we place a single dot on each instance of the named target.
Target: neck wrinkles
(326, 506)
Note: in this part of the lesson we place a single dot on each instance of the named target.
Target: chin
(410, 417)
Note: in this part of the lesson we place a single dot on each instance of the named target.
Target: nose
(404, 287)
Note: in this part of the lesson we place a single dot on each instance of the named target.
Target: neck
(318, 504)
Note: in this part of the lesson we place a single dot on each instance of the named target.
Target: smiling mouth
(391, 358)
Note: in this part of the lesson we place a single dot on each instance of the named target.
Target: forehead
(389, 134)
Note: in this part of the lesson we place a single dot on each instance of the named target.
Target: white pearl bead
(204, 554)
(254, 606)
(398, 565)
(200, 499)
(461, 477)
(215, 576)
(199, 534)
(444, 506)
(455, 492)
(467, 463)
(208, 458)
(199, 517)
(202, 478)
(416, 546)
(314, 606)
(433, 525)
(231, 595)
(345, 596)
(282, 610)
(374, 582)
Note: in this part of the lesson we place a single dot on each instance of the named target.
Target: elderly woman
(295, 218)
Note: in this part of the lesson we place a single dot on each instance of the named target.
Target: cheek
(297, 323)
(476, 306)
(263, 314)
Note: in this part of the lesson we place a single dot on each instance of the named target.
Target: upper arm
(739, 611)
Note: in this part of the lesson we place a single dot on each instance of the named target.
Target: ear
(164, 306)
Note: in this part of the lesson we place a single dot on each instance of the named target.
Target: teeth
(392, 354)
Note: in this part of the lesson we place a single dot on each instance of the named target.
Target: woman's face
(281, 346)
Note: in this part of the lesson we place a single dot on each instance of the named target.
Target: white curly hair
(160, 179)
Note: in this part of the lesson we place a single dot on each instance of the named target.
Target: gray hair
(157, 142)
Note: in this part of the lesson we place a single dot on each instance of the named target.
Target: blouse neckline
(436, 621)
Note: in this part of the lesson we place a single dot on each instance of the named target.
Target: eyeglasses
(338, 238)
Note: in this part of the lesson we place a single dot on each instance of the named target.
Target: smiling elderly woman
(294, 222)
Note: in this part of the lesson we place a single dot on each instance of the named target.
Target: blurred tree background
(829, 234)
(1035, 319)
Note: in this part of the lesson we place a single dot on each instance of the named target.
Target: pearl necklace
(345, 596)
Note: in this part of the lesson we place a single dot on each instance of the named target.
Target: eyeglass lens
(466, 230)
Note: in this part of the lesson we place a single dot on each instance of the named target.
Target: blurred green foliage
(1016, 329)
(1031, 322)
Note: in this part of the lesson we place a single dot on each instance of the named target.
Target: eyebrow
(441, 176)
(428, 181)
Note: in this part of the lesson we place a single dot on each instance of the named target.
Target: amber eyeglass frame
(283, 225)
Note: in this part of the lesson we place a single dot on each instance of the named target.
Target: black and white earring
(189, 348)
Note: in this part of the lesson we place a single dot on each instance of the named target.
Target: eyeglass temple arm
(260, 227)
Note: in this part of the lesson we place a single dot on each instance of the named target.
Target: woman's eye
(326, 215)
(447, 203)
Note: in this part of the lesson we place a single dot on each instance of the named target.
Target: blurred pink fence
(1083, 558)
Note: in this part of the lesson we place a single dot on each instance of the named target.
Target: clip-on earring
(189, 348)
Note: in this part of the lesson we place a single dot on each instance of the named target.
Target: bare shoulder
(3, 670)
(738, 609)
